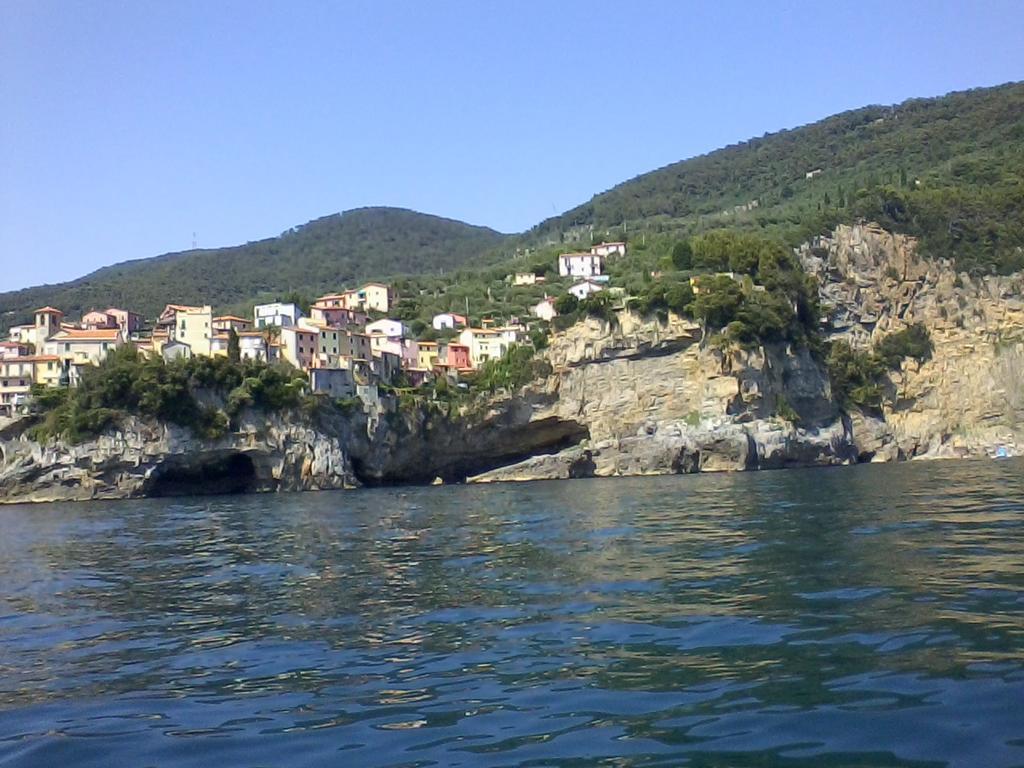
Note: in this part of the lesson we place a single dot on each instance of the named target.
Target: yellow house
(18, 374)
(372, 296)
(75, 347)
(194, 326)
(426, 355)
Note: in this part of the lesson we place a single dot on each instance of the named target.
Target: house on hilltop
(580, 264)
(448, 321)
(609, 249)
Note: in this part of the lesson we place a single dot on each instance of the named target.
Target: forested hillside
(324, 255)
(949, 170)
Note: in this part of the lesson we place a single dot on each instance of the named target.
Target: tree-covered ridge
(321, 256)
(949, 171)
(957, 163)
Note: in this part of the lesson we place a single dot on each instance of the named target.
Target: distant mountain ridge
(955, 162)
(325, 254)
(948, 170)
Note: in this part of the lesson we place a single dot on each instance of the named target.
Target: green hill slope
(323, 255)
(948, 169)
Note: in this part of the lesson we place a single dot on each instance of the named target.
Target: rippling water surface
(871, 616)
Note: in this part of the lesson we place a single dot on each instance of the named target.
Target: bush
(128, 383)
(854, 376)
(516, 368)
(913, 341)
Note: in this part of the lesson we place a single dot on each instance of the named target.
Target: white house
(580, 264)
(609, 249)
(527, 278)
(173, 350)
(449, 320)
(277, 313)
(252, 345)
(544, 309)
(585, 288)
(393, 329)
(484, 344)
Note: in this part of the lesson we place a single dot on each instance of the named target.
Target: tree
(682, 255)
(566, 304)
(234, 350)
(717, 301)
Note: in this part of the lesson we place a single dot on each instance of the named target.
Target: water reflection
(871, 615)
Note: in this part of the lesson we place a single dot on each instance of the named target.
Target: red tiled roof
(50, 311)
(103, 334)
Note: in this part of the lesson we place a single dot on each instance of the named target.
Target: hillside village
(346, 344)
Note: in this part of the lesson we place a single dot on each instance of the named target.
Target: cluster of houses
(588, 269)
(338, 345)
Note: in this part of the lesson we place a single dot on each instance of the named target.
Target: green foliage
(128, 383)
(913, 341)
(785, 411)
(856, 375)
(717, 301)
(516, 368)
(566, 304)
(949, 170)
(234, 350)
(322, 256)
(682, 255)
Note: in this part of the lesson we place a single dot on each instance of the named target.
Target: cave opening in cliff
(219, 474)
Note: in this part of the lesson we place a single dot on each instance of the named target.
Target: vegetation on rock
(857, 376)
(129, 383)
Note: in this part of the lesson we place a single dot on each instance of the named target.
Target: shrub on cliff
(129, 383)
(515, 369)
(913, 341)
(857, 375)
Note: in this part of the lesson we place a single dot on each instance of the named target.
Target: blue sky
(127, 126)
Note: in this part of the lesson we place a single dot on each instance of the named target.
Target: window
(67, 346)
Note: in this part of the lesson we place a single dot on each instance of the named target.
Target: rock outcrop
(968, 399)
(143, 459)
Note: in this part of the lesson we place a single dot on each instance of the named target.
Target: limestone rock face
(968, 399)
(142, 459)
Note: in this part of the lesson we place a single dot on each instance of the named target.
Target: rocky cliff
(657, 399)
(967, 400)
(630, 397)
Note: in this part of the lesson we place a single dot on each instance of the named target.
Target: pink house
(335, 316)
(96, 320)
(128, 322)
(457, 356)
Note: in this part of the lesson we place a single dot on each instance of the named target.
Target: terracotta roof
(103, 334)
(50, 311)
(29, 359)
(250, 333)
(232, 317)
